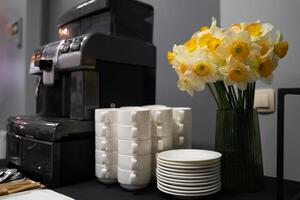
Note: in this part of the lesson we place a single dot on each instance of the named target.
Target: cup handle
(181, 140)
(133, 132)
(134, 147)
(104, 158)
(103, 173)
(181, 115)
(180, 128)
(132, 177)
(133, 163)
(103, 146)
(103, 117)
(157, 117)
(159, 131)
(160, 145)
(133, 116)
(104, 131)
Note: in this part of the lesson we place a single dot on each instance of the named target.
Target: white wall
(284, 15)
(16, 87)
(12, 65)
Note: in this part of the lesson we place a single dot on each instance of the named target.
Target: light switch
(261, 101)
(264, 100)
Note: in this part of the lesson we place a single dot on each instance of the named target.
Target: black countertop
(93, 190)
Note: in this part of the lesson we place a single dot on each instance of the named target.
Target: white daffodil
(237, 43)
(238, 55)
(236, 73)
(190, 83)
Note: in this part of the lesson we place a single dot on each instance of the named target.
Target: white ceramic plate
(217, 171)
(188, 167)
(189, 171)
(189, 188)
(190, 164)
(189, 193)
(189, 155)
(179, 195)
(179, 183)
(188, 177)
(192, 181)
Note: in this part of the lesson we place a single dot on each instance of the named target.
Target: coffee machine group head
(104, 58)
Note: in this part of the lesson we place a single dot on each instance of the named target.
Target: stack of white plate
(188, 172)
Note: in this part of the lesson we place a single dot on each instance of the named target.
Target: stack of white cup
(106, 145)
(182, 127)
(161, 126)
(134, 147)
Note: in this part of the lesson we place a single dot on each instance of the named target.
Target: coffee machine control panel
(61, 55)
(71, 45)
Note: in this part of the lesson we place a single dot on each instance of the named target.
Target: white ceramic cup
(182, 114)
(154, 106)
(134, 177)
(106, 144)
(162, 130)
(133, 116)
(133, 162)
(106, 115)
(106, 157)
(106, 130)
(106, 171)
(129, 132)
(134, 147)
(162, 144)
(160, 114)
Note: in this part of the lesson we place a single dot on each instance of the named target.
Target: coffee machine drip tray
(50, 128)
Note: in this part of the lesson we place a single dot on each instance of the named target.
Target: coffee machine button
(75, 47)
(65, 49)
(69, 41)
(78, 40)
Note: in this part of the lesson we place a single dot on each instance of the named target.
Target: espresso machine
(104, 58)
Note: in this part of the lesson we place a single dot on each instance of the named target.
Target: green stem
(214, 95)
(233, 94)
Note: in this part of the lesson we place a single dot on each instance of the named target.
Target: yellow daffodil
(281, 48)
(204, 39)
(170, 57)
(191, 44)
(257, 29)
(209, 38)
(204, 28)
(213, 44)
(265, 68)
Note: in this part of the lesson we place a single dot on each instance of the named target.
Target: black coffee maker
(105, 58)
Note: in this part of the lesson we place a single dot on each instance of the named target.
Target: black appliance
(105, 58)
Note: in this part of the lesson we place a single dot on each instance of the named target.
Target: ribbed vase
(238, 139)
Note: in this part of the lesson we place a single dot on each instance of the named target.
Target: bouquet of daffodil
(229, 61)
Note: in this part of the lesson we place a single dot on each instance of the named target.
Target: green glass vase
(238, 139)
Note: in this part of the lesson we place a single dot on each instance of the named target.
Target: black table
(93, 190)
